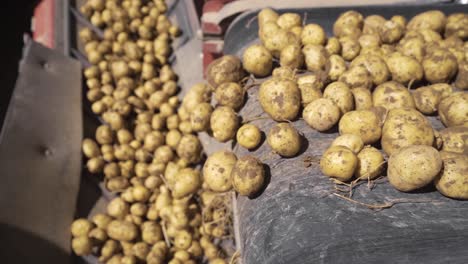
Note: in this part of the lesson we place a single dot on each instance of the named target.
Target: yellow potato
(391, 32)
(392, 95)
(257, 60)
(333, 46)
(369, 41)
(284, 73)
(350, 47)
(372, 24)
(217, 170)
(426, 100)
(313, 34)
(284, 139)
(248, 176)
(291, 56)
(187, 182)
(309, 93)
(375, 65)
(189, 148)
(122, 230)
(200, 117)
(370, 163)
(280, 99)
(321, 114)
(453, 110)
(439, 66)
(433, 19)
(82, 245)
(338, 162)
(451, 182)
(357, 76)
(362, 98)
(225, 69)
(404, 69)
(267, 15)
(249, 136)
(337, 67)
(404, 127)
(340, 94)
(351, 141)
(413, 167)
(457, 25)
(289, 20)
(81, 227)
(316, 57)
(224, 123)
(348, 23)
(230, 94)
(278, 40)
(363, 123)
(412, 47)
(455, 139)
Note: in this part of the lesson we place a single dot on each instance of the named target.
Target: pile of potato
(173, 206)
(361, 80)
(146, 148)
(374, 80)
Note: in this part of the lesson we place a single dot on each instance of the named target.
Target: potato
(225, 69)
(430, 37)
(321, 114)
(412, 47)
(392, 95)
(230, 94)
(284, 73)
(426, 100)
(370, 163)
(453, 110)
(248, 176)
(289, 20)
(187, 182)
(257, 60)
(291, 56)
(249, 136)
(357, 76)
(404, 127)
(451, 182)
(82, 245)
(340, 94)
(316, 57)
(457, 25)
(81, 227)
(90, 148)
(348, 23)
(189, 148)
(338, 162)
(114, 120)
(297, 31)
(267, 15)
(217, 170)
(122, 230)
(403, 68)
(351, 141)
(337, 67)
(376, 67)
(455, 139)
(95, 165)
(363, 123)
(315, 79)
(362, 98)
(333, 46)
(391, 32)
(413, 167)
(350, 47)
(309, 93)
(267, 30)
(400, 20)
(284, 139)
(372, 24)
(101, 220)
(439, 66)
(200, 117)
(369, 41)
(278, 40)
(461, 82)
(433, 19)
(199, 93)
(313, 34)
(224, 123)
(280, 99)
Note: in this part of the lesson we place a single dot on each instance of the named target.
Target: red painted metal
(44, 23)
